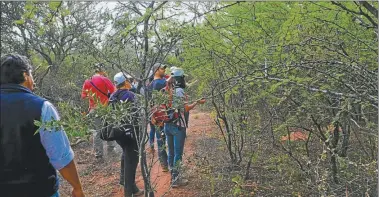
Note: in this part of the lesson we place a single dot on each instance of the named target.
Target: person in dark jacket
(129, 158)
(29, 159)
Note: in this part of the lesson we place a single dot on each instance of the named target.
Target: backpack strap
(170, 90)
(186, 114)
(107, 95)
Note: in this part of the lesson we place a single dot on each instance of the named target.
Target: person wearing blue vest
(29, 159)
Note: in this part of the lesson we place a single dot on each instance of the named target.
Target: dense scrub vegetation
(292, 86)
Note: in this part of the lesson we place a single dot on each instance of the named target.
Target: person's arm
(58, 149)
(191, 84)
(70, 174)
(191, 106)
(85, 94)
(85, 90)
(187, 107)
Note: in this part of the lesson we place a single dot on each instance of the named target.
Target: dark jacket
(131, 119)
(25, 169)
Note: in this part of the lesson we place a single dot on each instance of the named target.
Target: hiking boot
(99, 159)
(179, 182)
(137, 193)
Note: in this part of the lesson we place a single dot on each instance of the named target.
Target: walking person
(162, 84)
(129, 144)
(97, 90)
(176, 130)
(29, 160)
(157, 84)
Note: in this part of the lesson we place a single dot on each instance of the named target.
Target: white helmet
(178, 72)
(172, 69)
(121, 77)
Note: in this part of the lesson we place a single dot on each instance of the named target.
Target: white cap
(121, 77)
(178, 72)
(173, 68)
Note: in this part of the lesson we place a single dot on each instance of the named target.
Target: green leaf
(65, 12)
(29, 6)
(236, 179)
(237, 191)
(36, 132)
(54, 5)
(19, 22)
(37, 123)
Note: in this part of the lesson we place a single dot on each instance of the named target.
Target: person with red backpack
(156, 127)
(175, 126)
(159, 86)
(98, 89)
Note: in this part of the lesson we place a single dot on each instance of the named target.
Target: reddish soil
(102, 179)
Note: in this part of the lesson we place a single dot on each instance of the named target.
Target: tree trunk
(345, 140)
(333, 152)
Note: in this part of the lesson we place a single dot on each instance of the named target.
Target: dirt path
(102, 179)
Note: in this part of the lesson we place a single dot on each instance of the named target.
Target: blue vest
(25, 169)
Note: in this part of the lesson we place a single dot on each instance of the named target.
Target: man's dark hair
(13, 67)
(157, 66)
(180, 82)
(99, 67)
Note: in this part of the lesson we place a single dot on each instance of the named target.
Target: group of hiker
(169, 129)
(99, 90)
(29, 159)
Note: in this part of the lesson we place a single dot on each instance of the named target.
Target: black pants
(129, 163)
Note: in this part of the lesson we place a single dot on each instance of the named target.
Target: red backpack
(164, 113)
